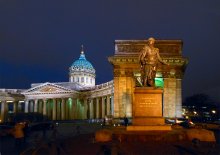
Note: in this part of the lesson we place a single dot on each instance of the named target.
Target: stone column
(78, 109)
(19, 106)
(178, 98)
(103, 107)
(45, 107)
(123, 91)
(169, 98)
(54, 110)
(91, 111)
(128, 99)
(108, 104)
(58, 109)
(4, 110)
(85, 106)
(97, 108)
(123, 86)
(63, 101)
(40, 106)
(31, 106)
(117, 100)
(15, 107)
(26, 106)
(67, 110)
(74, 108)
(112, 105)
(35, 105)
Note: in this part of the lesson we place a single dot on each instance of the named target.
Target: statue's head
(151, 40)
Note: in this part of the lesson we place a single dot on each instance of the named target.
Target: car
(169, 121)
(175, 120)
(181, 120)
(187, 124)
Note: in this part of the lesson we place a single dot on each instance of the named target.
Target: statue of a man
(149, 58)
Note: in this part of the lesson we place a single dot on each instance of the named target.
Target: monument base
(148, 121)
(147, 110)
(149, 128)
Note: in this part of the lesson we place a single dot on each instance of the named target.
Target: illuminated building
(80, 98)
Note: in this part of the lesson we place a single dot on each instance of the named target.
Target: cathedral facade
(79, 98)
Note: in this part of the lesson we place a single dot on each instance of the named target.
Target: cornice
(118, 60)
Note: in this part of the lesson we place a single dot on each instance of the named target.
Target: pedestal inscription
(147, 106)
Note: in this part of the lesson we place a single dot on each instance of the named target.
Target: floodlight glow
(213, 111)
(159, 82)
(9, 101)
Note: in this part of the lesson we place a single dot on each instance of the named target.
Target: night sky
(39, 40)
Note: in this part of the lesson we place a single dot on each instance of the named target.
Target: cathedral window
(82, 79)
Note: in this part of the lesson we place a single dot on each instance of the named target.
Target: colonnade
(100, 107)
(61, 108)
(9, 106)
(71, 108)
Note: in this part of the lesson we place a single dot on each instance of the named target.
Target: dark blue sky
(40, 39)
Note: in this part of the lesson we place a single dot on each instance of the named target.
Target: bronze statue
(149, 58)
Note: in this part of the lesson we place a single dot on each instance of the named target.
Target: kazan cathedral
(81, 98)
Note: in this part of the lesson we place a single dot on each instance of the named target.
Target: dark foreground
(79, 139)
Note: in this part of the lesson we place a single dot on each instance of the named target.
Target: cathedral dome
(82, 64)
(82, 71)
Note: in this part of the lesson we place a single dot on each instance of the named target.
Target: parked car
(175, 120)
(169, 121)
(187, 124)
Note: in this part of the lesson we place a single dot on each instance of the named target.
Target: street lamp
(213, 111)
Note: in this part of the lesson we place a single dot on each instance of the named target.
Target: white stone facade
(79, 98)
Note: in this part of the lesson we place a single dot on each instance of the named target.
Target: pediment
(47, 88)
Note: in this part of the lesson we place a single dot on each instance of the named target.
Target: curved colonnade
(56, 104)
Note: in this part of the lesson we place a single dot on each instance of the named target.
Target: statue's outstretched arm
(159, 58)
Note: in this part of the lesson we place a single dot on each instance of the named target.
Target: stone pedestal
(147, 110)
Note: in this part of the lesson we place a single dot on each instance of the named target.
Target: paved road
(36, 139)
(77, 138)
